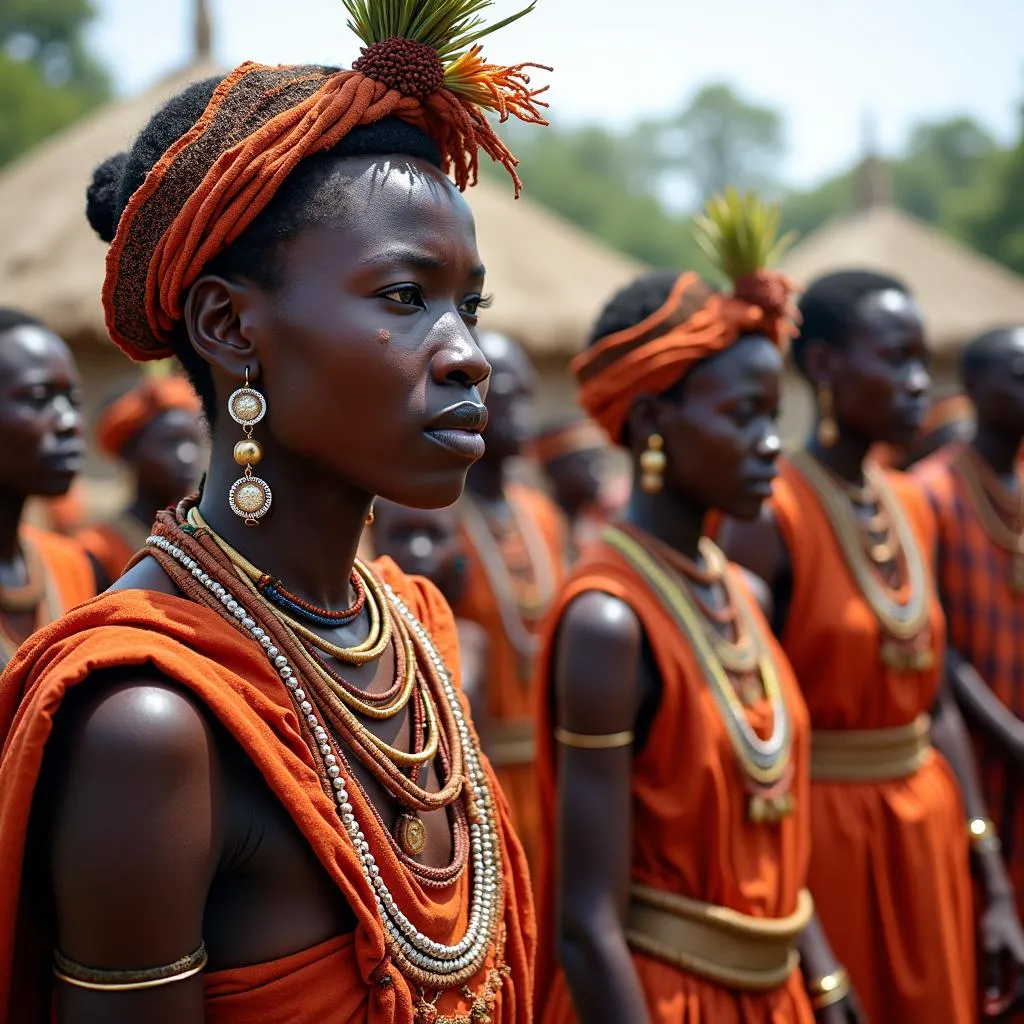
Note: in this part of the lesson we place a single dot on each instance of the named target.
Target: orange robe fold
(509, 692)
(69, 567)
(889, 867)
(691, 832)
(111, 549)
(335, 983)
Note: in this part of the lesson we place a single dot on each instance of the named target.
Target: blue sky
(825, 64)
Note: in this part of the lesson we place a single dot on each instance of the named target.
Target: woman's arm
(597, 690)
(1002, 937)
(985, 709)
(136, 840)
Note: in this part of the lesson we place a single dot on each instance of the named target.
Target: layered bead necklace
(1000, 511)
(208, 571)
(766, 764)
(906, 640)
(519, 570)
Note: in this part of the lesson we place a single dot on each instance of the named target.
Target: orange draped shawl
(889, 866)
(335, 983)
(691, 832)
(509, 694)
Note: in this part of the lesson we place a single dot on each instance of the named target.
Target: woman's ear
(820, 363)
(644, 419)
(223, 319)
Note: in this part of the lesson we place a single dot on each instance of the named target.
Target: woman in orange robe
(155, 430)
(42, 574)
(846, 549)
(515, 543)
(243, 785)
(674, 756)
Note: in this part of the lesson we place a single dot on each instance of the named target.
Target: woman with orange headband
(846, 549)
(674, 755)
(155, 429)
(259, 789)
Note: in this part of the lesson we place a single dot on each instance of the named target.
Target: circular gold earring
(250, 497)
(652, 465)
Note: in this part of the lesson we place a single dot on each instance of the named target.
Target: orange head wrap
(652, 356)
(262, 121)
(126, 416)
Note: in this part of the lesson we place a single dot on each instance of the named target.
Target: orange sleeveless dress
(337, 982)
(691, 832)
(509, 692)
(889, 865)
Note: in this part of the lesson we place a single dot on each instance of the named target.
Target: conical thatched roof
(548, 277)
(961, 293)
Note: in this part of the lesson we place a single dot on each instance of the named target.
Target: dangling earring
(249, 497)
(652, 465)
(828, 429)
(370, 516)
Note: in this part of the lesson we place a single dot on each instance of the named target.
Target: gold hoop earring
(250, 498)
(828, 429)
(652, 465)
(370, 516)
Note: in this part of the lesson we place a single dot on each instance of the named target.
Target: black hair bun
(102, 194)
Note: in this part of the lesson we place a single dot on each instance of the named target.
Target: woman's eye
(407, 295)
(473, 305)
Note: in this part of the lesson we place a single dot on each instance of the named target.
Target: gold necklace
(906, 645)
(765, 762)
(370, 649)
(986, 493)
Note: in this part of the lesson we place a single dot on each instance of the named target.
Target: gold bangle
(829, 989)
(594, 741)
(127, 981)
(982, 835)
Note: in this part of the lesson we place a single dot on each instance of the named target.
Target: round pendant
(411, 834)
(250, 498)
(247, 406)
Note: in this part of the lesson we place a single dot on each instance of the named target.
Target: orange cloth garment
(68, 565)
(889, 865)
(126, 416)
(691, 832)
(335, 983)
(111, 547)
(509, 691)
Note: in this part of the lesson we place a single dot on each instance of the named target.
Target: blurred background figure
(977, 493)
(574, 455)
(949, 420)
(515, 543)
(429, 543)
(42, 575)
(155, 430)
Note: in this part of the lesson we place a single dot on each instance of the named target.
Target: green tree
(717, 140)
(47, 76)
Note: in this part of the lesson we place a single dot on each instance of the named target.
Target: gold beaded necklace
(905, 624)
(766, 763)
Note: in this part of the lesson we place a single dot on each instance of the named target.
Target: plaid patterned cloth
(986, 627)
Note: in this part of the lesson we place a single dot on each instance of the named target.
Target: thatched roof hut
(961, 292)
